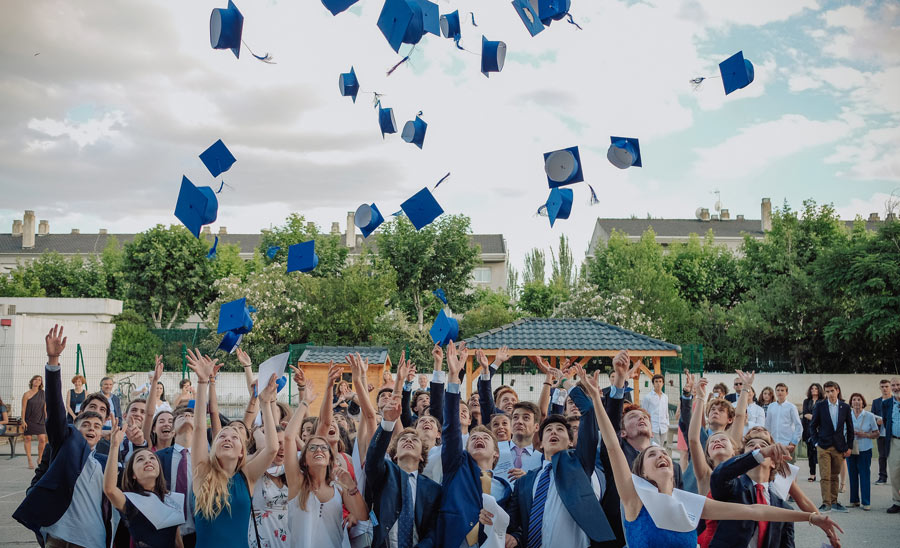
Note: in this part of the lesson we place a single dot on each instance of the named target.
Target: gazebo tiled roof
(325, 354)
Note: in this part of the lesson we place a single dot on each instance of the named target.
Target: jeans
(859, 467)
(813, 456)
(882, 458)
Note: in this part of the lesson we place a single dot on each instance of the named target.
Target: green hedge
(132, 348)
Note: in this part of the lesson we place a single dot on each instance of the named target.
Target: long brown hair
(305, 483)
(130, 484)
(153, 439)
(212, 493)
(31, 382)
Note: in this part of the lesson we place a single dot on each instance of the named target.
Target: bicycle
(124, 388)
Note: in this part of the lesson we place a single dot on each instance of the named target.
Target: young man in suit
(832, 431)
(115, 406)
(66, 507)
(884, 439)
(890, 410)
(403, 500)
(505, 396)
(175, 461)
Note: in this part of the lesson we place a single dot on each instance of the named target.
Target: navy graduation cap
(450, 26)
(624, 152)
(225, 26)
(439, 293)
(559, 204)
(272, 251)
(337, 6)
(444, 329)
(414, 131)
(422, 208)
(401, 22)
(235, 317)
(528, 12)
(302, 257)
(196, 206)
(563, 167)
(736, 72)
(230, 342)
(349, 84)
(493, 54)
(430, 16)
(367, 219)
(217, 158)
(553, 10)
(386, 121)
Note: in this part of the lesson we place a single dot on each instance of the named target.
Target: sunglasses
(317, 448)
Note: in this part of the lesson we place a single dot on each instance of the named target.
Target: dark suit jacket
(50, 497)
(729, 483)
(486, 400)
(571, 471)
(628, 394)
(887, 411)
(165, 461)
(435, 409)
(823, 432)
(116, 406)
(384, 490)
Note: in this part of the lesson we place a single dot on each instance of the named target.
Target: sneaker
(881, 482)
(854, 505)
(866, 507)
(827, 508)
(838, 507)
(895, 509)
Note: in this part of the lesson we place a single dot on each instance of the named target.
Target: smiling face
(719, 448)
(184, 422)
(464, 418)
(160, 389)
(37, 382)
(720, 414)
(90, 428)
(78, 384)
(656, 466)
(554, 438)
(229, 443)
(427, 428)
(146, 467)
(856, 403)
(106, 386)
(423, 402)
(482, 446)
(317, 452)
(409, 445)
(278, 459)
(136, 413)
(507, 400)
(97, 406)
(306, 431)
(500, 426)
(164, 429)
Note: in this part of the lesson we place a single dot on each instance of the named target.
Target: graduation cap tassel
(594, 199)
(442, 179)
(397, 213)
(395, 67)
(542, 211)
(212, 252)
(473, 18)
(267, 58)
(572, 21)
(220, 188)
(376, 100)
(698, 81)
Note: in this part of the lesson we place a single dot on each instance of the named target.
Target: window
(482, 275)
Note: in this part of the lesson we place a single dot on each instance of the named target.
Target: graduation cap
(439, 293)
(225, 26)
(337, 6)
(386, 121)
(272, 251)
(421, 208)
(302, 257)
(450, 26)
(230, 342)
(553, 10)
(736, 71)
(493, 54)
(196, 206)
(348, 84)
(528, 12)
(235, 317)
(281, 381)
(217, 158)
(401, 22)
(563, 167)
(624, 152)
(430, 16)
(559, 204)
(367, 219)
(444, 329)
(414, 131)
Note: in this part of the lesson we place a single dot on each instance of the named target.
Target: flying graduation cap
(439, 293)
(563, 167)
(225, 27)
(414, 131)
(367, 219)
(348, 84)
(737, 72)
(450, 26)
(624, 152)
(553, 10)
(386, 121)
(230, 342)
(528, 12)
(422, 208)
(559, 204)
(493, 55)
(217, 158)
(234, 316)
(337, 6)
(401, 22)
(430, 16)
(196, 206)
(302, 257)
(444, 329)
(272, 251)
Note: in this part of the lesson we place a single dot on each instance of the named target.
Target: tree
(512, 282)
(228, 262)
(167, 274)
(133, 345)
(535, 263)
(621, 309)
(112, 258)
(540, 300)
(15, 284)
(492, 309)
(565, 271)
(705, 272)
(438, 256)
(332, 254)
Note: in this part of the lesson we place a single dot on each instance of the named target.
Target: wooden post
(470, 377)
(657, 361)
(636, 397)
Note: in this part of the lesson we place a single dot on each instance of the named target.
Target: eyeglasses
(317, 448)
(739, 384)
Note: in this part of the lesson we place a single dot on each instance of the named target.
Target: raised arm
(152, 398)
(215, 420)
(56, 412)
(292, 434)
(202, 366)
(438, 379)
(350, 495)
(698, 455)
(252, 408)
(254, 468)
(740, 410)
(358, 371)
(111, 472)
(451, 431)
(326, 410)
(376, 466)
(247, 364)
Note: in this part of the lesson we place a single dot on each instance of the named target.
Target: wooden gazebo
(315, 359)
(556, 338)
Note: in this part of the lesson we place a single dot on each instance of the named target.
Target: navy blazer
(486, 399)
(50, 497)
(572, 471)
(729, 483)
(165, 461)
(822, 431)
(887, 413)
(435, 409)
(384, 490)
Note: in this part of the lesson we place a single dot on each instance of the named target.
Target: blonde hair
(212, 493)
(305, 484)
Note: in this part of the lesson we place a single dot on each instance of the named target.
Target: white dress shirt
(82, 523)
(783, 422)
(559, 527)
(531, 459)
(392, 534)
(188, 526)
(658, 407)
(756, 416)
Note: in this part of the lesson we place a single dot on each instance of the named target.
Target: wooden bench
(12, 434)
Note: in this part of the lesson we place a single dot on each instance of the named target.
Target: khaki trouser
(59, 543)
(830, 464)
(893, 466)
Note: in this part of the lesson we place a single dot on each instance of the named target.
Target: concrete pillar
(28, 230)
(704, 214)
(350, 240)
(335, 227)
(76, 231)
(223, 231)
(724, 215)
(766, 212)
(17, 227)
(44, 227)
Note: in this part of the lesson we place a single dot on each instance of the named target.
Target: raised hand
(462, 353)
(343, 478)
(700, 389)
(334, 373)
(828, 525)
(200, 364)
(243, 357)
(453, 363)
(309, 395)
(299, 376)
(392, 410)
(438, 354)
(688, 382)
(502, 355)
(746, 378)
(157, 371)
(118, 432)
(779, 455)
(55, 343)
(540, 363)
(482, 359)
(410, 372)
(134, 432)
(270, 392)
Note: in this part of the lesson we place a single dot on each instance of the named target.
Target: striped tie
(536, 518)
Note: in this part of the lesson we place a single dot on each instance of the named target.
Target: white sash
(160, 514)
(678, 512)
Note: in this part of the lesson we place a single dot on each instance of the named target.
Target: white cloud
(758, 12)
(711, 95)
(82, 133)
(802, 82)
(873, 156)
(878, 202)
(865, 36)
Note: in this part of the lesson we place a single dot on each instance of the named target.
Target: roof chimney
(103, 231)
(44, 227)
(766, 210)
(17, 227)
(873, 218)
(704, 214)
(206, 230)
(28, 230)
(350, 240)
(335, 227)
(740, 217)
(724, 215)
(223, 230)
(76, 231)
(890, 217)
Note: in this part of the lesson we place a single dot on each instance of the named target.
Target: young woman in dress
(655, 466)
(75, 398)
(34, 417)
(185, 393)
(860, 460)
(814, 394)
(222, 481)
(766, 396)
(4, 417)
(150, 512)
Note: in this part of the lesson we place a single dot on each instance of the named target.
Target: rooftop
(325, 354)
(730, 228)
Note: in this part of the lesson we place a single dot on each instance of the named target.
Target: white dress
(270, 510)
(321, 525)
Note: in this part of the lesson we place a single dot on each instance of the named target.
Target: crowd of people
(417, 464)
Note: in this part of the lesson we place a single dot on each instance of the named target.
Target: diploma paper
(782, 484)
(496, 533)
(273, 366)
(678, 512)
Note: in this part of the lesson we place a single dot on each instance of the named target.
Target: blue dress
(643, 532)
(228, 528)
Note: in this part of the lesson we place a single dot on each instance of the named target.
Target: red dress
(709, 532)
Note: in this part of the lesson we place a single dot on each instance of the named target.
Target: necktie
(763, 525)
(536, 518)
(181, 479)
(517, 462)
(472, 536)
(405, 523)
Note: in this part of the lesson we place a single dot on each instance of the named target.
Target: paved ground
(873, 528)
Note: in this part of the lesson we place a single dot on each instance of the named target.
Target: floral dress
(270, 513)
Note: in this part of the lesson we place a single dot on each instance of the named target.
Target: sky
(106, 104)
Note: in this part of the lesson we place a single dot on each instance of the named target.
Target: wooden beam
(637, 388)
(469, 376)
(656, 365)
(515, 352)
